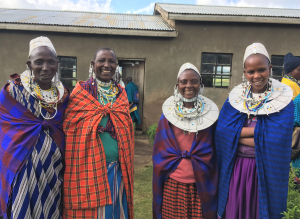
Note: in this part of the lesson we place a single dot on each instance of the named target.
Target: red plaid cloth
(85, 179)
(181, 201)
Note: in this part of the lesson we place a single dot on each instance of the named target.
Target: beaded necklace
(47, 98)
(185, 113)
(254, 102)
(107, 95)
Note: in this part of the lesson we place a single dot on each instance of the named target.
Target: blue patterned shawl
(19, 132)
(167, 156)
(273, 137)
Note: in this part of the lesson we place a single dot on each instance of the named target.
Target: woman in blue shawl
(32, 141)
(253, 142)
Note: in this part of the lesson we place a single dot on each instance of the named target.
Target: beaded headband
(254, 49)
(40, 41)
(186, 66)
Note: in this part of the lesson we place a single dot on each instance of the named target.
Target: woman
(184, 163)
(98, 180)
(253, 142)
(32, 140)
(292, 69)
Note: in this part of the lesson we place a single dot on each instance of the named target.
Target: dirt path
(142, 150)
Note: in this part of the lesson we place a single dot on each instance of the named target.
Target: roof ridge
(213, 6)
(86, 12)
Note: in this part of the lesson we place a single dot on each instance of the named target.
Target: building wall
(163, 56)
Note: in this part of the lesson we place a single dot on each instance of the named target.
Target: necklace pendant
(248, 113)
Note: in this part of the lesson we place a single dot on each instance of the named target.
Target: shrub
(293, 200)
(151, 132)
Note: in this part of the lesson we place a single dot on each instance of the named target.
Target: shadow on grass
(142, 196)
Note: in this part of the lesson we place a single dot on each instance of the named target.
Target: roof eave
(88, 30)
(228, 18)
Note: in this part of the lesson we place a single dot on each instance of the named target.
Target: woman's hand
(247, 141)
(247, 132)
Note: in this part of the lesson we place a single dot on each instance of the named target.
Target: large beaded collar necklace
(254, 102)
(109, 95)
(275, 98)
(184, 113)
(201, 116)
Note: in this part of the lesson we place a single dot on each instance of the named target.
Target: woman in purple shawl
(31, 137)
(184, 163)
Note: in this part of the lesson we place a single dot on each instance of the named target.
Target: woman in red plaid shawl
(98, 180)
(185, 175)
(31, 137)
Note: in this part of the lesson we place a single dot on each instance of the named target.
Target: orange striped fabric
(85, 179)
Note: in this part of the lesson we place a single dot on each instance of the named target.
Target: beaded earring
(201, 91)
(57, 77)
(90, 71)
(31, 79)
(244, 80)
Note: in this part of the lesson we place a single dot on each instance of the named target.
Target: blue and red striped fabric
(167, 156)
(19, 132)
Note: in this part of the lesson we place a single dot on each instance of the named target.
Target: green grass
(142, 196)
(225, 82)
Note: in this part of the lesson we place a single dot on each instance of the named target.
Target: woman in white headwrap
(31, 137)
(253, 143)
(185, 176)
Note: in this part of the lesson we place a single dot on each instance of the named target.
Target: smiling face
(296, 73)
(257, 71)
(189, 83)
(104, 65)
(44, 64)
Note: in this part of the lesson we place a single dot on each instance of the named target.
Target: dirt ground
(142, 150)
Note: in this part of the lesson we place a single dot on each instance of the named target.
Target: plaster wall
(163, 56)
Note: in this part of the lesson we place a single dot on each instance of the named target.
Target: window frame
(279, 78)
(216, 75)
(62, 67)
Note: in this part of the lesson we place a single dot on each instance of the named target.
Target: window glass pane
(277, 60)
(225, 81)
(224, 59)
(219, 69)
(207, 80)
(68, 62)
(222, 81)
(226, 70)
(207, 69)
(67, 73)
(208, 58)
(277, 71)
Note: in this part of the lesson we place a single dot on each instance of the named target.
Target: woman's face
(44, 64)
(296, 73)
(257, 71)
(189, 84)
(105, 65)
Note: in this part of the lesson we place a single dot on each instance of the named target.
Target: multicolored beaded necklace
(109, 94)
(185, 113)
(47, 98)
(254, 102)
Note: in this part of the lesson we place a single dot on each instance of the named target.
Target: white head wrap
(40, 41)
(254, 49)
(186, 66)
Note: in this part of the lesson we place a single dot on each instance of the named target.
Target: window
(278, 70)
(216, 69)
(68, 71)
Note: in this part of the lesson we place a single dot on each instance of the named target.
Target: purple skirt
(242, 202)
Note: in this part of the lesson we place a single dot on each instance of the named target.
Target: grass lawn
(142, 196)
